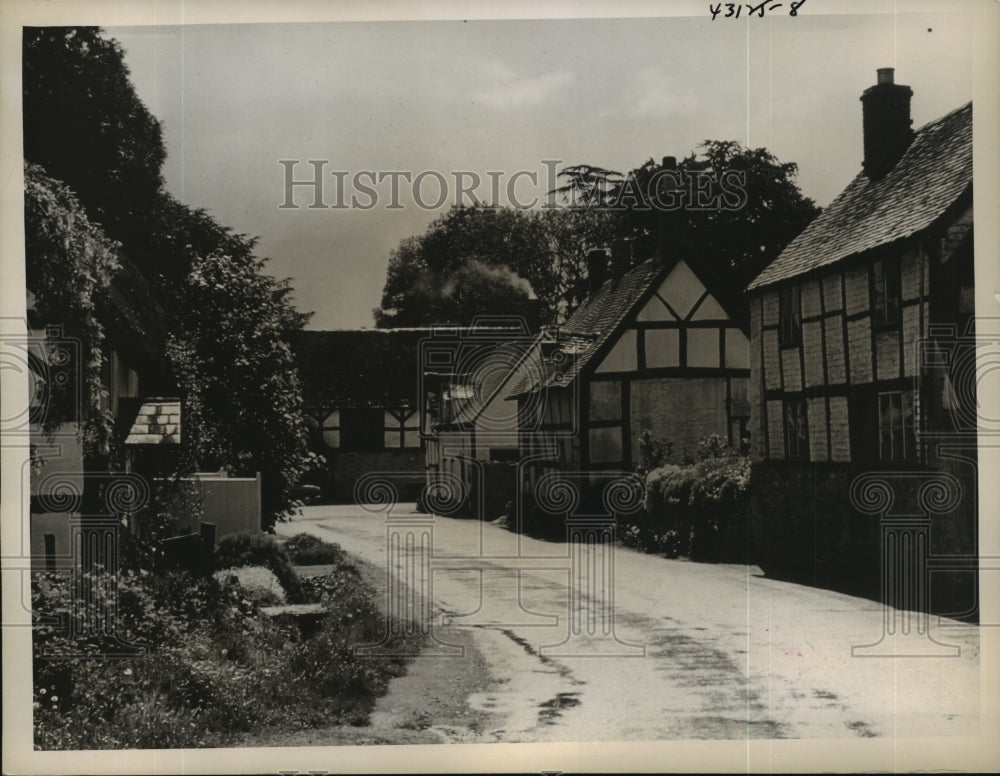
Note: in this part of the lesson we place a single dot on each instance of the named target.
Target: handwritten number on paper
(733, 10)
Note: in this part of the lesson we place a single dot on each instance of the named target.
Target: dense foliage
(699, 510)
(85, 124)
(488, 261)
(71, 264)
(95, 154)
(308, 550)
(733, 243)
(216, 669)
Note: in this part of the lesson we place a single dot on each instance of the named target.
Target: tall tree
(471, 260)
(86, 126)
(737, 208)
(492, 260)
(228, 320)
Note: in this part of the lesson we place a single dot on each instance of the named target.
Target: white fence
(231, 503)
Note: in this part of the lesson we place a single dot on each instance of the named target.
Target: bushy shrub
(258, 549)
(307, 550)
(652, 452)
(700, 510)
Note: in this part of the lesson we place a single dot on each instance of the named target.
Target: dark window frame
(790, 315)
(897, 441)
(886, 293)
(795, 423)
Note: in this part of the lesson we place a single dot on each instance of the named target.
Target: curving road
(545, 641)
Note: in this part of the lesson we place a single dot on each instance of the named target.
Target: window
(796, 434)
(897, 439)
(886, 292)
(790, 306)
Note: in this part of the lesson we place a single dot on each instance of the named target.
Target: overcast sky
(505, 96)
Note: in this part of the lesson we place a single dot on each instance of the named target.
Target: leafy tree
(734, 238)
(228, 321)
(232, 361)
(86, 126)
(588, 186)
(470, 261)
(492, 260)
(572, 232)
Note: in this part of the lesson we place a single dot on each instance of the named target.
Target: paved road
(696, 651)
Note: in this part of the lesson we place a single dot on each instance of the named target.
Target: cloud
(509, 90)
(654, 93)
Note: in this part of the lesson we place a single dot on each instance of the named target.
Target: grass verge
(215, 668)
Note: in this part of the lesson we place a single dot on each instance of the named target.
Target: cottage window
(886, 292)
(897, 438)
(796, 434)
(790, 306)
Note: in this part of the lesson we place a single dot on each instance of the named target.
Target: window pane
(895, 415)
(885, 445)
(883, 410)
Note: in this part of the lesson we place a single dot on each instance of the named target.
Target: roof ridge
(933, 172)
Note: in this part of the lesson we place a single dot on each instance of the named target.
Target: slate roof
(492, 374)
(581, 338)
(933, 173)
(157, 423)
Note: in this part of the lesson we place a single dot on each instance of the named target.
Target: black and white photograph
(478, 388)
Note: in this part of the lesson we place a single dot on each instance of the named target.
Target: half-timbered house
(658, 348)
(846, 388)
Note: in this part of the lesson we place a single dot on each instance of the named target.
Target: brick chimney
(621, 257)
(886, 122)
(597, 269)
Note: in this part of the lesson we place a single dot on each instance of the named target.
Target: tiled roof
(933, 173)
(588, 329)
(158, 423)
(359, 367)
(492, 372)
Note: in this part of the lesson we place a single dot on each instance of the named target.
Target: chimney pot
(885, 75)
(670, 162)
